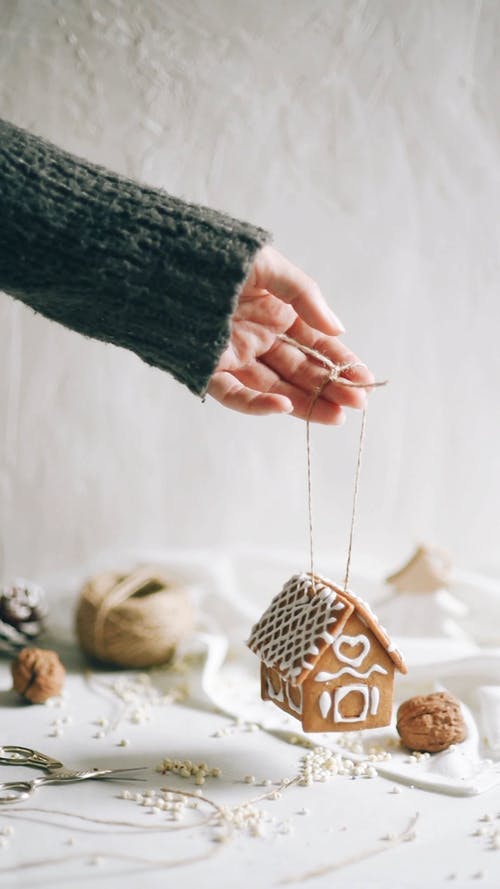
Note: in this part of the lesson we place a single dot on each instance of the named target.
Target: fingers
(275, 273)
(259, 376)
(308, 375)
(232, 393)
(333, 349)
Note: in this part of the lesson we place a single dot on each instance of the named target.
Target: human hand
(258, 373)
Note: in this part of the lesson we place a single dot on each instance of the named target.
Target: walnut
(38, 674)
(430, 723)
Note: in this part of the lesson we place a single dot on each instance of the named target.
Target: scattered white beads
(220, 836)
(139, 696)
(57, 727)
(489, 831)
(419, 756)
(160, 802)
(187, 769)
(246, 818)
(237, 726)
(300, 742)
(321, 764)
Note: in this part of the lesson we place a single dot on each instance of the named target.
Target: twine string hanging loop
(334, 375)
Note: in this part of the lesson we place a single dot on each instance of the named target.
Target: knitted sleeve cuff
(118, 261)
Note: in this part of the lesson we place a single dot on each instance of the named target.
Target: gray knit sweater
(119, 261)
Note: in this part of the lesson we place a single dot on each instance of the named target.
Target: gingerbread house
(325, 658)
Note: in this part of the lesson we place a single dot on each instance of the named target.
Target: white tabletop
(341, 825)
(345, 817)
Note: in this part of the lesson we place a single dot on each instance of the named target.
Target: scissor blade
(120, 777)
(131, 769)
(111, 773)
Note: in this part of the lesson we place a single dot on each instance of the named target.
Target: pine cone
(22, 612)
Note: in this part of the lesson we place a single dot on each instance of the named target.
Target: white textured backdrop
(366, 137)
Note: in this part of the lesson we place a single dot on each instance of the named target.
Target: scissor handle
(12, 754)
(15, 791)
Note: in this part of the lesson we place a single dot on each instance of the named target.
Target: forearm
(118, 261)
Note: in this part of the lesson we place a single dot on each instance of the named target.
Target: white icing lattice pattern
(287, 633)
(302, 620)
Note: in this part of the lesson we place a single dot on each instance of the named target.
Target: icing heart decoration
(352, 643)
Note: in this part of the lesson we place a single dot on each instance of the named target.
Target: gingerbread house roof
(303, 619)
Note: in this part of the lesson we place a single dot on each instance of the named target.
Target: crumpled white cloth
(235, 595)
(438, 614)
(232, 593)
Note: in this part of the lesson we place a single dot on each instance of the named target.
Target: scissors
(57, 773)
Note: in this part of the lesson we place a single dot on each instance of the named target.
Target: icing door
(341, 695)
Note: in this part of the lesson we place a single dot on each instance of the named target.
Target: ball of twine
(133, 620)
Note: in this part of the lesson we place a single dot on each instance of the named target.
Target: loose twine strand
(362, 436)
(334, 375)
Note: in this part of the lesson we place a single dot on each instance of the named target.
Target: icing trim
(375, 700)
(275, 695)
(341, 693)
(297, 708)
(352, 641)
(326, 677)
(325, 703)
(317, 610)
